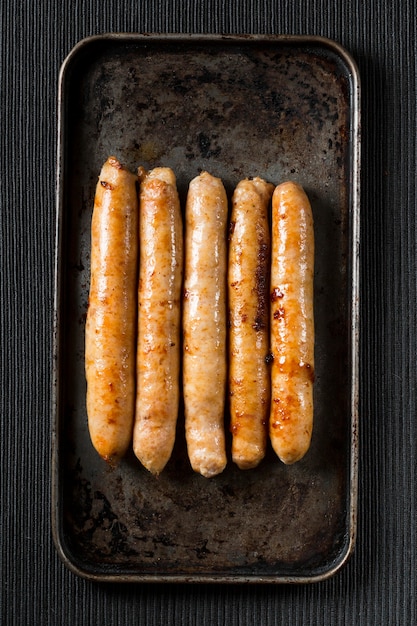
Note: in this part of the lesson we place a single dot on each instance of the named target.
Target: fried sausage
(159, 295)
(292, 323)
(111, 315)
(248, 288)
(204, 324)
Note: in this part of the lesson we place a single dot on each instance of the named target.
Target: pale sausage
(204, 324)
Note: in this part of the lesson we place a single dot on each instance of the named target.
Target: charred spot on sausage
(106, 185)
(276, 294)
(279, 313)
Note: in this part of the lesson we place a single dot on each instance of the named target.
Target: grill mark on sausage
(261, 286)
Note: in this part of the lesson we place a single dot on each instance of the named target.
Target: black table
(378, 585)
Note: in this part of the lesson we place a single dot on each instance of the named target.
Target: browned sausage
(111, 315)
(292, 322)
(248, 285)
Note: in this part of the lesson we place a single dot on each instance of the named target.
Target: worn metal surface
(277, 107)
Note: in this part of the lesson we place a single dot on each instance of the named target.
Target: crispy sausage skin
(248, 290)
(292, 323)
(204, 324)
(111, 315)
(159, 296)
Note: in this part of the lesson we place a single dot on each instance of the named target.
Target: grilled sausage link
(292, 323)
(111, 315)
(158, 348)
(248, 289)
(204, 324)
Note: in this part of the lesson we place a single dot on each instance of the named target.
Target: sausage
(159, 295)
(292, 323)
(111, 315)
(204, 324)
(248, 289)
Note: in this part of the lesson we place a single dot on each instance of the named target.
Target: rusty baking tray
(274, 106)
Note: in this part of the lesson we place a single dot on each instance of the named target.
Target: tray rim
(354, 246)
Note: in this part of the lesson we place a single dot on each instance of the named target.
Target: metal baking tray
(280, 107)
